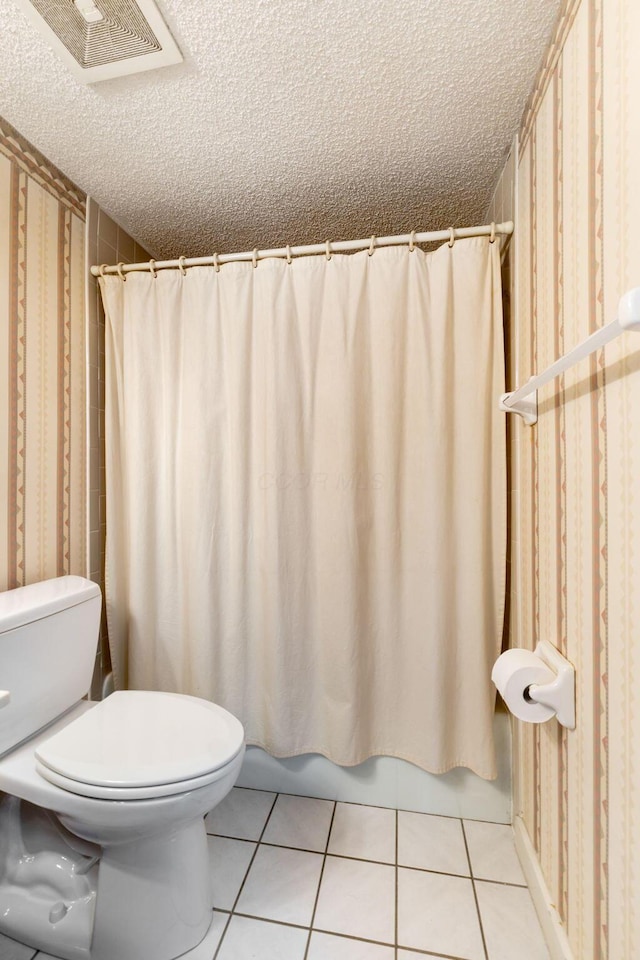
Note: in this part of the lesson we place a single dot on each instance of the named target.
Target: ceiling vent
(102, 39)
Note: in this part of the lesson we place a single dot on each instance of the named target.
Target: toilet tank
(48, 639)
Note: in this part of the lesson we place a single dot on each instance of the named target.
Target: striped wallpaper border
(16, 400)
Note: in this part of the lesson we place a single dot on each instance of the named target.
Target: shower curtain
(306, 497)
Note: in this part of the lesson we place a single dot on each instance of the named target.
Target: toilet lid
(137, 738)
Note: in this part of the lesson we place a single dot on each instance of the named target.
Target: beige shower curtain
(306, 497)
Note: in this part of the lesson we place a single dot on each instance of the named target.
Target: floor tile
(242, 814)
(325, 946)
(368, 833)
(248, 939)
(438, 913)
(510, 923)
(357, 899)
(492, 851)
(412, 955)
(229, 861)
(281, 885)
(12, 950)
(432, 843)
(300, 822)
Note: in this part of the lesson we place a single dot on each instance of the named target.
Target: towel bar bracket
(527, 408)
(628, 319)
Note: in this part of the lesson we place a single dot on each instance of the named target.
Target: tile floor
(295, 878)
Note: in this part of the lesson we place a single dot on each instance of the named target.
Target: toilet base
(155, 897)
(83, 878)
(48, 882)
(155, 891)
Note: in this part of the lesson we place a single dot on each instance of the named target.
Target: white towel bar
(522, 402)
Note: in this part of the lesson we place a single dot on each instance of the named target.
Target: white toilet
(103, 851)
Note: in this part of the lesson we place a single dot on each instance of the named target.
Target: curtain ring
(103, 267)
(328, 249)
(152, 268)
(120, 273)
(492, 238)
(372, 246)
(215, 262)
(254, 258)
(288, 254)
(452, 237)
(181, 265)
(412, 241)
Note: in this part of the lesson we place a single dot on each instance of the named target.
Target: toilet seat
(92, 791)
(140, 744)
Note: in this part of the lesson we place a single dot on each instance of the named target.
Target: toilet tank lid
(38, 600)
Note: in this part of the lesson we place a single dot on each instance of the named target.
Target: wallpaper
(575, 504)
(42, 368)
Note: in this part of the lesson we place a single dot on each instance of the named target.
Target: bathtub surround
(575, 518)
(42, 368)
(305, 486)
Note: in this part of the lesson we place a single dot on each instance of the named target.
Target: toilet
(103, 849)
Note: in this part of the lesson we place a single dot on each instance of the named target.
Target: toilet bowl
(103, 850)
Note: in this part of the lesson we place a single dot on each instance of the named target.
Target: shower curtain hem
(379, 752)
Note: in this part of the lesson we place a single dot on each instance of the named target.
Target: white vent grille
(123, 37)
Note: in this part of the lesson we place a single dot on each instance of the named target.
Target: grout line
(244, 879)
(315, 903)
(502, 883)
(344, 936)
(279, 923)
(224, 933)
(475, 894)
(382, 863)
(332, 933)
(431, 953)
(395, 946)
(261, 790)
(341, 856)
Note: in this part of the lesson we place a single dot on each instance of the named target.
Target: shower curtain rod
(451, 234)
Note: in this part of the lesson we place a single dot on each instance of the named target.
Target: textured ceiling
(290, 121)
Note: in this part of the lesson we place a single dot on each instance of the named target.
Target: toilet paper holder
(560, 694)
